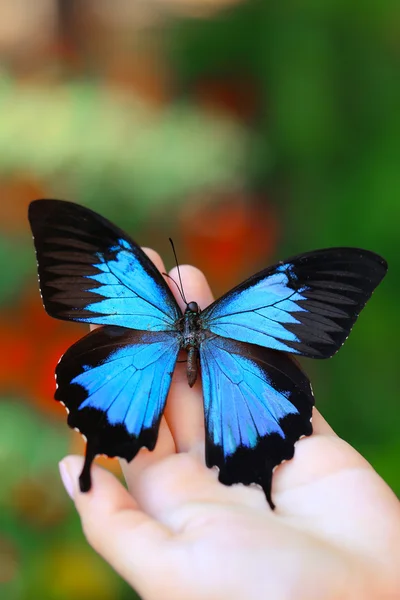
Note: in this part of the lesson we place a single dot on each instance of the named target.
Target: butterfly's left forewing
(114, 383)
(90, 271)
(257, 404)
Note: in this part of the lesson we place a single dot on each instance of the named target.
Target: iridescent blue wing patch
(257, 404)
(306, 305)
(90, 271)
(114, 383)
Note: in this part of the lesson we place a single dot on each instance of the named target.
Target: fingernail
(66, 479)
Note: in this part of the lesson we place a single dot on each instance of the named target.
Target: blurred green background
(247, 131)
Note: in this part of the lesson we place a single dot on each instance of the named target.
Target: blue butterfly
(114, 382)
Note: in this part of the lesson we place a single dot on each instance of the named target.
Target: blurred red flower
(229, 235)
(32, 345)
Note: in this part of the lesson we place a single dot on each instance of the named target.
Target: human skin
(179, 534)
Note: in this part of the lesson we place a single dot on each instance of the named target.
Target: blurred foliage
(280, 135)
(113, 148)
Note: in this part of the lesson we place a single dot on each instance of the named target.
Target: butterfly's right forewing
(306, 305)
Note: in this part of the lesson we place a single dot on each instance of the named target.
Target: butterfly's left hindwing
(257, 404)
(114, 383)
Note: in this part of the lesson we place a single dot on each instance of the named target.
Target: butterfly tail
(266, 484)
(85, 479)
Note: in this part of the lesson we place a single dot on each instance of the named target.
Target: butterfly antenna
(178, 288)
(179, 273)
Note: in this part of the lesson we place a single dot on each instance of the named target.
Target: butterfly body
(191, 339)
(114, 382)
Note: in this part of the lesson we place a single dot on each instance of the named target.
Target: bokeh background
(247, 131)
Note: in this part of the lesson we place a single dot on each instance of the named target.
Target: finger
(320, 426)
(195, 287)
(126, 537)
(184, 411)
(155, 258)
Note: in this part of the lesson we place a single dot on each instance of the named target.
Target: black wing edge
(101, 437)
(67, 236)
(256, 465)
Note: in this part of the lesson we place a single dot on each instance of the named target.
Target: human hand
(179, 534)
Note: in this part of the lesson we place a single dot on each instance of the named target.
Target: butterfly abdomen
(191, 340)
(192, 365)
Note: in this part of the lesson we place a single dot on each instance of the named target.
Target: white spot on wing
(66, 408)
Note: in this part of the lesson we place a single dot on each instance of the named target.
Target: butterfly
(257, 399)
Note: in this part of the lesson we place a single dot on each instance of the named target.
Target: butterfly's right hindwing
(257, 404)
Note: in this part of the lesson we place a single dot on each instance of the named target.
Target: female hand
(179, 534)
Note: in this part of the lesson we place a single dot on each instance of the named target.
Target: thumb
(115, 527)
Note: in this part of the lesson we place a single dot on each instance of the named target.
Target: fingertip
(155, 258)
(66, 477)
(106, 494)
(195, 286)
(320, 425)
